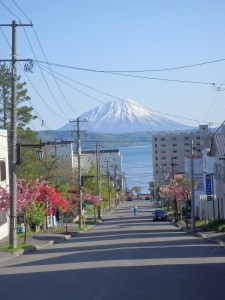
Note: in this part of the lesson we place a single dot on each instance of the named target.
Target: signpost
(210, 190)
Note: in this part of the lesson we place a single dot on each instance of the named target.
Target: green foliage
(216, 225)
(36, 215)
(24, 113)
(18, 248)
(137, 189)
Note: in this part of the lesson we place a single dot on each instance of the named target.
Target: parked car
(147, 198)
(130, 199)
(160, 215)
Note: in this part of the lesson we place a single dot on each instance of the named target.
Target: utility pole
(192, 189)
(173, 165)
(13, 138)
(13, 141)
(79, 172)
(115, 183)
(108, 179)
(98, 176)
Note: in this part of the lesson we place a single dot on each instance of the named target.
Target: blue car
(160, 215)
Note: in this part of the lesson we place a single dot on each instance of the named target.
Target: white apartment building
(4, 181)
(170, 149)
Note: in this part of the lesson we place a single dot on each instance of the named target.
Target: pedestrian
(135, 210)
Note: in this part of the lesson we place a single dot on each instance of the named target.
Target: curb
(201, 235)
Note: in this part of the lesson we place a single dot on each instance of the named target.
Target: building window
(174, 151)
(156, 145)
(2, 171)
(155, 151)
(186, 138)
(174, 139)
(198, 137)
(175, 157)
(156, 158)
(163, 158)
(162, 139)
(163, 145)
(163, 151)
(155, 139)
(174, 145)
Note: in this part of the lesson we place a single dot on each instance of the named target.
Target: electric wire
(63, 95)
(130, 75)
(46, 62)
(89, 96)
(45, 80)
(21, 10)
(50, 108)
(10, 10)
(27, 79)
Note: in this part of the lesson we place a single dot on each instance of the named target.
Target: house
(4, 182)
(212, 202)
(198, 177)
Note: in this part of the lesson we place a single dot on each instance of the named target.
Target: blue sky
(121, 35)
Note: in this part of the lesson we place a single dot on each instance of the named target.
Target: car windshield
(160, 212)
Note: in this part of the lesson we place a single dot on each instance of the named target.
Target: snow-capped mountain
(120, 116)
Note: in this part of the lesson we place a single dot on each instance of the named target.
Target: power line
(140, 71)
(21, 10)
(129, 75)
(10, 11)
(89, 96)
(30, 83)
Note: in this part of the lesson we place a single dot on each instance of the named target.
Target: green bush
(216, 225)
(36, 215)
(221, 228)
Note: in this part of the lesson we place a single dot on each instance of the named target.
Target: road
(125, 257)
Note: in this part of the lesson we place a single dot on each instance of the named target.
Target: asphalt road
(125, 257)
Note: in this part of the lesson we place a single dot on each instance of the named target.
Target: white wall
(4, 175)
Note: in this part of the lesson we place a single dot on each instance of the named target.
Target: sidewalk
(37, 240)
(40, 240)
(211, 236)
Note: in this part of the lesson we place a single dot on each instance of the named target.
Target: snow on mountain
(120, 116)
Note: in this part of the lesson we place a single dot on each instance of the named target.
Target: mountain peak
(121, 116)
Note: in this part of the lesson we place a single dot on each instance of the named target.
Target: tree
(24, 113)
(137, 189)
(179, 190)
(51, 198)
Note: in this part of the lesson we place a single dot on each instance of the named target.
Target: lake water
(137, 165)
